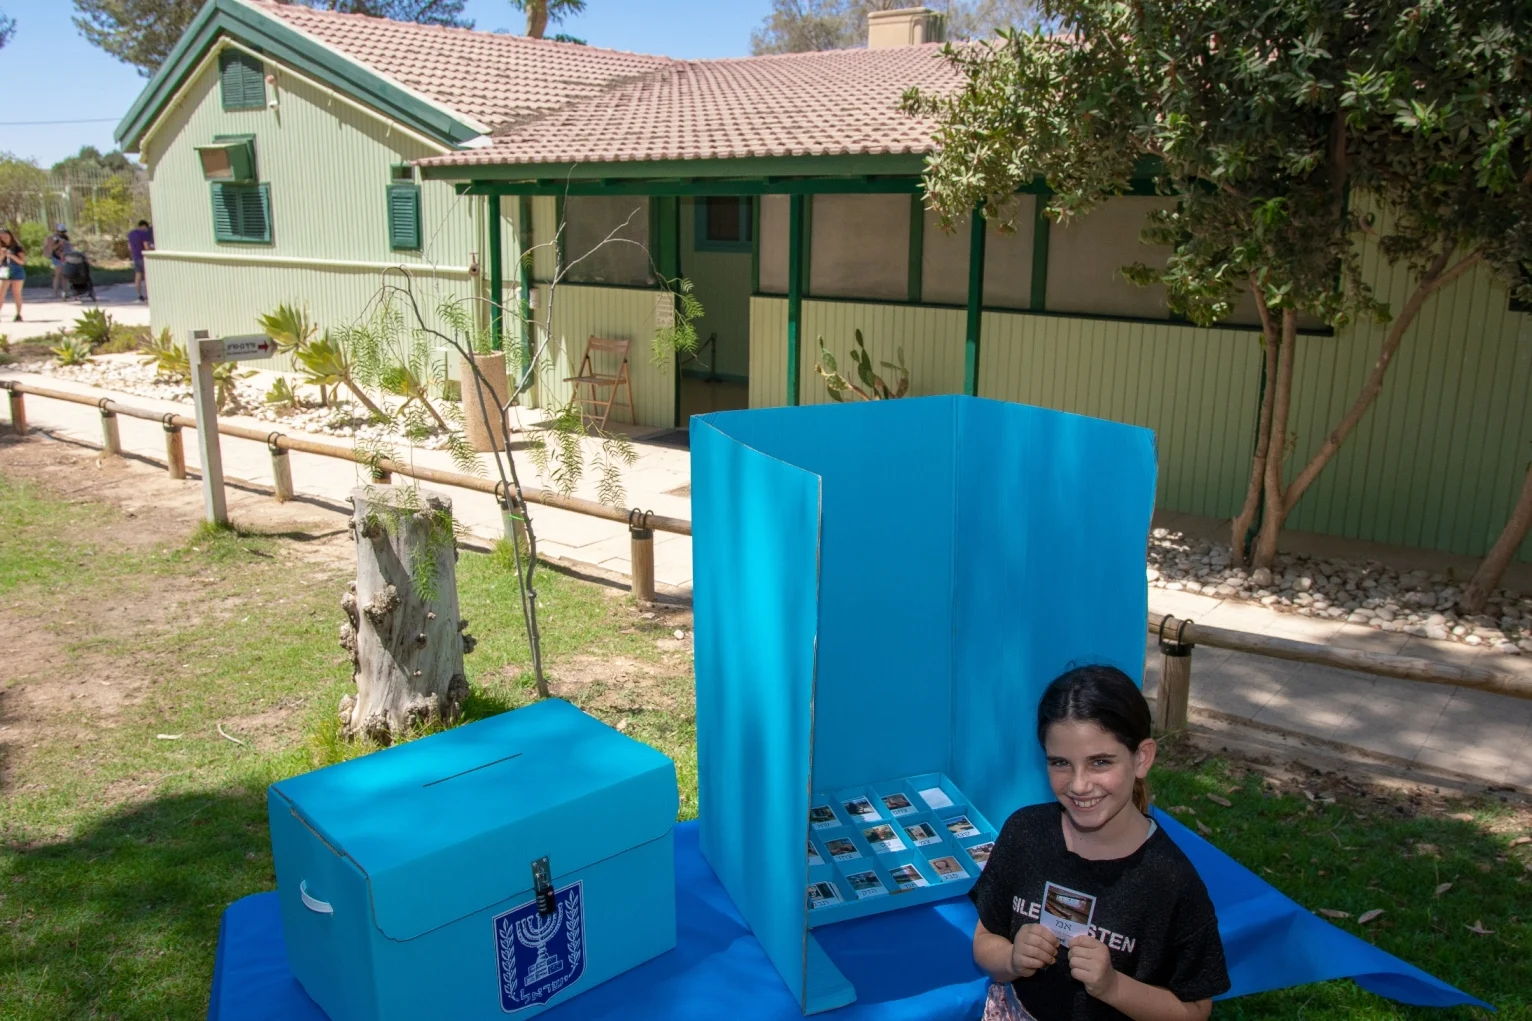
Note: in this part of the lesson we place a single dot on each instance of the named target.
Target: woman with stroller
(13, 269)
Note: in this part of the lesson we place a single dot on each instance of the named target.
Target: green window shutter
(242, 213)
(404, 217)
(241, 81)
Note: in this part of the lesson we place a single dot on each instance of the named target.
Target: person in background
(13, 268)
(54, 249)
(140, 240)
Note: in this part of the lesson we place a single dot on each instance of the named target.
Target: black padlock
(542, 886)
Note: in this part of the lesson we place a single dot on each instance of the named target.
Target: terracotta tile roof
(492, 78)
(840, 102)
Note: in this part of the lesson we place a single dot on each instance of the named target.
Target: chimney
(908, 26)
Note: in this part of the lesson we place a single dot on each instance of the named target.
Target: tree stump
(403, 632)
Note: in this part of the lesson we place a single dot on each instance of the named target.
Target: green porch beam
(524, 244)
(496, 277)
(976, 231)
(699, 189)
(1040, 227)
(694, 171)
(917, 247)
(794, 293)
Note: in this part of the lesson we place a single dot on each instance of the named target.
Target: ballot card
(1067, 913)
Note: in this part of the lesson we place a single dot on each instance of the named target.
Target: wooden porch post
(794, 293)
(977, 226)
(496, 276)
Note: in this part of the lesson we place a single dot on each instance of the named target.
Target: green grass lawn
(119, 848)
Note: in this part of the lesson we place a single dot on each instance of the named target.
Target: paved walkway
(41, 313)
(1485, 737)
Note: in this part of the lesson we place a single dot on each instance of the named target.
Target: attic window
(241, 81)
(230, 159)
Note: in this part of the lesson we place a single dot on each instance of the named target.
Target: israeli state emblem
(538, 955)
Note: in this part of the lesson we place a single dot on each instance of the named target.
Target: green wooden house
(295, 154)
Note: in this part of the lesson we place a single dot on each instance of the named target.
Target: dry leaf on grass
(1443, 888)
(1369, 916)
(1521, 840)
(1183, 809)
(1462, 816)
(1332, 913)
(1218, 799)
(1427, 849)
(1203, 829)
(1478, 927)
(167, 737)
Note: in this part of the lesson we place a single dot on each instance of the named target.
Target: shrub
(94, 327)
(72, 351)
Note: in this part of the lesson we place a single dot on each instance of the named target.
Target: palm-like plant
(72, 351)
(168, 358)
(324, 362)
(292, 330)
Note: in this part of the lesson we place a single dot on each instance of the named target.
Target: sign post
(204, 352)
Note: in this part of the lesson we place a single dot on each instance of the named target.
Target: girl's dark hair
(1105, 696)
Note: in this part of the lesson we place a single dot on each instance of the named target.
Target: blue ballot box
(882, 591)
(496, 868)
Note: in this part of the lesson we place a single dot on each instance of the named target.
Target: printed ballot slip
(823, 895)
(1066, 913)
(866, 884)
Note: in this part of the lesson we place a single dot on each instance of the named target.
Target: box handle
(317, 906)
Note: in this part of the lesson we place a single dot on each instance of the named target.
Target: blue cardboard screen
(882, 590)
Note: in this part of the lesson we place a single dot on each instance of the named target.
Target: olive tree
(1285, 130)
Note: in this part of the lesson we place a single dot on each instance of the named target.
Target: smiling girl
(1141, 938)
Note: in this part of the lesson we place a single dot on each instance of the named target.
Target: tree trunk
(1239, 528)
(537, 18)
(361, 395)
(1275, 511)
(1487, 578)
(406, 650)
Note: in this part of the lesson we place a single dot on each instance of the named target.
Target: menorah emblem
(535, 932)
(538, 955)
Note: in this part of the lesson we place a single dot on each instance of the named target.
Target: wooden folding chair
(586, 378)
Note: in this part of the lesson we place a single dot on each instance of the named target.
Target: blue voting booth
(882, 591)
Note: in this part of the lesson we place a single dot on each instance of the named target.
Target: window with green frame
(241, 81)
(242, 213)
(723, 224)
(404, 217)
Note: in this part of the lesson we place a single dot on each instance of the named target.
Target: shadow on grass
(122, 920)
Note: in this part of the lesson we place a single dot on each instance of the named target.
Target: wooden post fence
(18, 413)
(175, 448)
(111, 437)
(641, 555)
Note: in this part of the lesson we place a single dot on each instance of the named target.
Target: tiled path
(1487, 737)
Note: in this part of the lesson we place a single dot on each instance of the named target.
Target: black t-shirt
(1150, 909)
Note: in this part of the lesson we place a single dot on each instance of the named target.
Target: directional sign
(239, 349)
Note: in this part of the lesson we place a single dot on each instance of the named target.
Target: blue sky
(53, 74)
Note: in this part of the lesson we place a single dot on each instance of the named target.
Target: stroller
(76, 269)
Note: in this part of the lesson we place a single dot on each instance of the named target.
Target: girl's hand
(1090, 963)
(1035, 948)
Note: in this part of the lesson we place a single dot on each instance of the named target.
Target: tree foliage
(21, 181)
(7, 29)
(1285, 130)
(799, 26)
(143, 32)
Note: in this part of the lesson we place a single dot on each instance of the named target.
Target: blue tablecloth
(910, 965)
